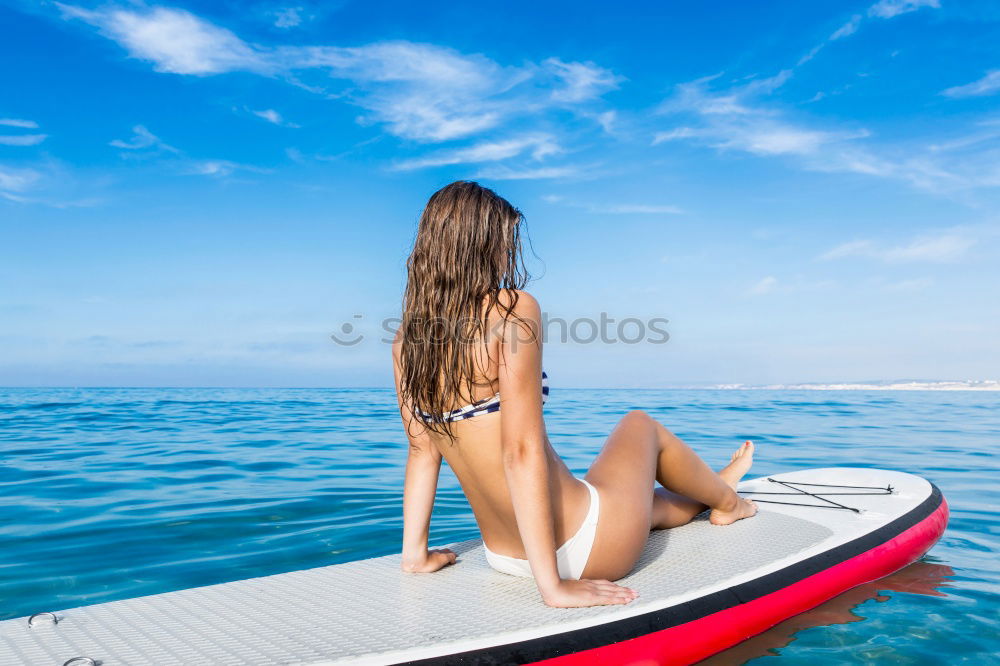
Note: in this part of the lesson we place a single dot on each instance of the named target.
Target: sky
(203, 194)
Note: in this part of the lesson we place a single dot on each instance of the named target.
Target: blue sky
(201, 193)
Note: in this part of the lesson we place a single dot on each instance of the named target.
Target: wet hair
(467, 252)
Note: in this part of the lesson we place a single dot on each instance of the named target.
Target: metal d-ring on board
(31, 620)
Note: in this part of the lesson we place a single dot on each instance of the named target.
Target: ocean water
(113, 493)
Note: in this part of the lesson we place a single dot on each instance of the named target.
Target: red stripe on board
(692, 641)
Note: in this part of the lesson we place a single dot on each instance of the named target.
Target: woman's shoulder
(519, 316)
(520, 302)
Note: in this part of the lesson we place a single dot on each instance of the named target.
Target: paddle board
(703, 588)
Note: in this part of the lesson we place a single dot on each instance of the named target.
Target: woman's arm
(526, 463)
(423, 463)
(523, 440)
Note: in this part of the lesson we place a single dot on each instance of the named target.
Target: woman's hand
(431, 561)
(580, 593)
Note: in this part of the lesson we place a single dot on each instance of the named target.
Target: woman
(468, 368)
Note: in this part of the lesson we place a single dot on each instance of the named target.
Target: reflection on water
(922, 577)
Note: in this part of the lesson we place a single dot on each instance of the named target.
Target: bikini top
(484, 406)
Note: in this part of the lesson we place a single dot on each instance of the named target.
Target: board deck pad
(368, 611)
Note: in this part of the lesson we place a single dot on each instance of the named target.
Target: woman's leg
(672, 510)
(639, 452)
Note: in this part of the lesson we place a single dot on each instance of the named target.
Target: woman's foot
(738, 465)
(737, 468)
(744, 508)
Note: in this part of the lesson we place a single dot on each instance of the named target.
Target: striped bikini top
(484, 406)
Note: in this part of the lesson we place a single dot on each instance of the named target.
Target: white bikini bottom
(571, 557)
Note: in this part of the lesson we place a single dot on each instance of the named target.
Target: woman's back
(475, 454)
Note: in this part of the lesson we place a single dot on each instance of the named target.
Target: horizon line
(877, 385)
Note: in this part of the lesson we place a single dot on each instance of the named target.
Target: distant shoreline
(900, 385)
(986, 385)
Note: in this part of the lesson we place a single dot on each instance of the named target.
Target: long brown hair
(466, 252)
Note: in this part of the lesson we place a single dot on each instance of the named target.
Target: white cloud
(768, 84)
(539, 173)
(674, 134)
(847, 29)
(776, 138)
(16, 122)
(695, 96)
(17, 180)
(581, 80)
(433, 93)
(938, 248)
(211, 168)
(991, 133)
(420, 91)
(811, 53)
(988, 85)
(272, 116)
(145, 143)
(640, 209)
(607, 120)
(738, 118)
(850, 249)
(891, 8)
(218, 168)
(914, 284)
(399, 61)
(47, 182)
(490, 151)
(174, 40)
(288, 17)
(944, 248)
(732, 120)
(141, 139)
(22, 139)
(924, 167)
(615, 209)
(764, 286)
(884, 9)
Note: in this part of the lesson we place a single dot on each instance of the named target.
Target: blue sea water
(113, 493)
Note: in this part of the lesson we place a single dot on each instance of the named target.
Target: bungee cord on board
(830, 504)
